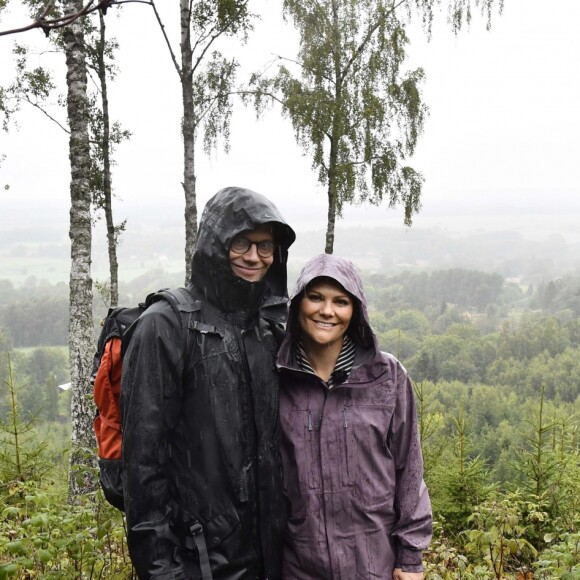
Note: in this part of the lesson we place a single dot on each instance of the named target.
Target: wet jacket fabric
(200, 412)
(353, 470)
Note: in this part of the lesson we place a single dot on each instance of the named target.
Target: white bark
(81, 334)
(188, 128)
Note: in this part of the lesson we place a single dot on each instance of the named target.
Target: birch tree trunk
(81, 334)
(188, 128)
(207, 82)
(112, 232)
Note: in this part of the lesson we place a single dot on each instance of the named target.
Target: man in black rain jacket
(203, 491)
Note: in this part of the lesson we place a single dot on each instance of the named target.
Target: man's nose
(252, 254)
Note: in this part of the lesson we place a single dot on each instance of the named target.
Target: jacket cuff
(409, 560)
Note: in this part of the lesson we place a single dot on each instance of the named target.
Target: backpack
(106, 381)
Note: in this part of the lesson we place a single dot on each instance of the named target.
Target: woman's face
(325, 312)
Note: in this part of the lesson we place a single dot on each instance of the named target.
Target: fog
(499, 151)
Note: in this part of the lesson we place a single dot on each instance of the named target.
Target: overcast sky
(502, 136)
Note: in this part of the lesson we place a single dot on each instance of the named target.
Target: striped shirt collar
(343, 365)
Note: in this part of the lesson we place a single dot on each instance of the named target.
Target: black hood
(230, 211)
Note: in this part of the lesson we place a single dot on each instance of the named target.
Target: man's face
(252, 253)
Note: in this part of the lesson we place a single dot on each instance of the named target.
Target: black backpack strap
(180, 298)
(185, 306)
(183, 303)
(196, 532)
(191, 532)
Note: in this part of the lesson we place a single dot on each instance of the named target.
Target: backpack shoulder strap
(180, 298)
(185, 306)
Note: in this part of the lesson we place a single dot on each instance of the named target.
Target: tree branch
(213, 37)
(261, 94)
(162, 26)
(218, 32)
(48, 24)
(44, 112)
(329, 79)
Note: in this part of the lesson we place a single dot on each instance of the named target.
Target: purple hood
(346, 274)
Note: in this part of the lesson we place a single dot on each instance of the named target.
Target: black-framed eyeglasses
(241, 245)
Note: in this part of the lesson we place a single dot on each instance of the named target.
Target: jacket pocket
(312, 476)
(300, 451)
(370, 466)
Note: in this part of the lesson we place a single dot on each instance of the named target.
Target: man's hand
(398, 574)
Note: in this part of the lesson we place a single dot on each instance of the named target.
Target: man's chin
(248, 276)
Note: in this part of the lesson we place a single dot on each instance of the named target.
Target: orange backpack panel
(106, 381)
(106, 392)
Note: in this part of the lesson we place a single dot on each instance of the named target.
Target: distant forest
(35, 313)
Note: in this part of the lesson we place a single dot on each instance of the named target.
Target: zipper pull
(344, 415)
(244, 483)
(309, 420)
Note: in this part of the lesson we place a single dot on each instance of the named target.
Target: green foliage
(400, 343)
(489, 442)
(212, 91)
(558, 295)
(31, 85)
(468, 289)
(228, 17)
(461, 480)
(540, 465)
(31, 289)
(549, 469)
(41, 370)
(443, 559)
(431, 423)
(213, 76)
(436, 356)
(41, 536)
(411, 321)
(498, 534)
(20, 456)
(354, 108)
(533, 336)
(561, 559)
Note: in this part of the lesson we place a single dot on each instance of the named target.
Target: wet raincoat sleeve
(413, 529)
(150, 387)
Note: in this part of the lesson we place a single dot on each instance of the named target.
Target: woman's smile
(325, 313)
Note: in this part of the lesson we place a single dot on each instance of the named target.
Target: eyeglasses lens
(265, 248)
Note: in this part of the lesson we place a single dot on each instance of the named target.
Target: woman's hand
(398, 574)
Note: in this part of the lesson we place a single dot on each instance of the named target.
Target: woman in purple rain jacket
(353, 471)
